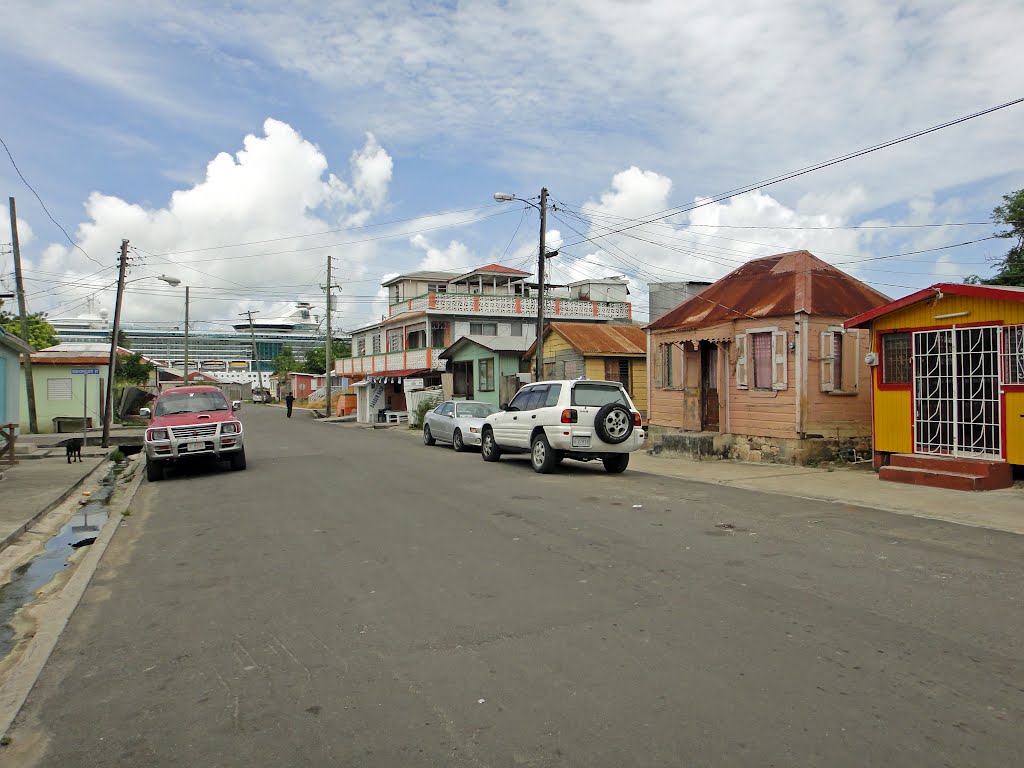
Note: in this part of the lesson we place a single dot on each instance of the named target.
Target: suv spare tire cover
(602, 417)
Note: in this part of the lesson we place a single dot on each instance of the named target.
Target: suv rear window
(598, 395)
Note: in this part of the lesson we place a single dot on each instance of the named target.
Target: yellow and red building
(948, 385)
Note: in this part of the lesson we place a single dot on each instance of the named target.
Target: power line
(810, 169)
(41, 203)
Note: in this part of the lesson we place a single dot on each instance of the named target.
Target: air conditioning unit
(871, 358)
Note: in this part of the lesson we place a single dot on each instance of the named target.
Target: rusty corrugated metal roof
(602, 338)
(775, 286)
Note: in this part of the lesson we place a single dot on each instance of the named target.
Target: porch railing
(513, 306)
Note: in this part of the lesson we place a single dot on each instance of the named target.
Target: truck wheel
(238, 460)
(154, 471)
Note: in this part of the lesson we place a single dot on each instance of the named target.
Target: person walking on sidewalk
(288, 400)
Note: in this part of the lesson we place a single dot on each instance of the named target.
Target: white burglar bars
(956, 392)
(1013, 354)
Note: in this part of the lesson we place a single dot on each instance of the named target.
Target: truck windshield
(190, 402)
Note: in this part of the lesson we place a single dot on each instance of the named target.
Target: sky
(240, 146)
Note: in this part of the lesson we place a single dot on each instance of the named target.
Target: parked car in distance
(569, 419)
(457, 422)
(262, 396)
(188, 423)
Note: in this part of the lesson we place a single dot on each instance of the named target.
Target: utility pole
(30, 384)
(108, 404)
(329, 353)
(255, 352)
(541, 258)
(186, 335)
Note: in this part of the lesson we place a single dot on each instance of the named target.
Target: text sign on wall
(85, 371)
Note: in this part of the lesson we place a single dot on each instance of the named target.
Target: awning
(394, 377)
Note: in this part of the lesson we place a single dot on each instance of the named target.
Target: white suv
(576, 419)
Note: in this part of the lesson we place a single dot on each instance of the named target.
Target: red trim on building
(951, 289)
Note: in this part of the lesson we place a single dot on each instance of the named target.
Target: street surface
(357, 599)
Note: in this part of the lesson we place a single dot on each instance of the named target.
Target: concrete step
(951, 464)
(938, 478)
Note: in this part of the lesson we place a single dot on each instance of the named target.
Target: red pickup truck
(189, 423)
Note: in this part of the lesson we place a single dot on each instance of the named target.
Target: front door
(956, 392)
(709, 387)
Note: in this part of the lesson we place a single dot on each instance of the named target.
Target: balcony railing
(513, 306)
(390, 361)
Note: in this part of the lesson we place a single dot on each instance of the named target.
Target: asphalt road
(357, 599)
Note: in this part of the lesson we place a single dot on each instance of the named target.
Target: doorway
(956, 393)
(709, 421)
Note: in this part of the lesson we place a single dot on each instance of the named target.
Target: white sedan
(457, 422)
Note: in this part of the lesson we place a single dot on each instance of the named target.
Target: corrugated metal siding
(980, 310)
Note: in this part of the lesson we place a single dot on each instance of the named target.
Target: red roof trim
(953, 289)
(400, 374)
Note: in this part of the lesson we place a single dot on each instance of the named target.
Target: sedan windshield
(475, 410)
(190, 402)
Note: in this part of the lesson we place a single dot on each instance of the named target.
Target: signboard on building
(85, 371)
(411, 385)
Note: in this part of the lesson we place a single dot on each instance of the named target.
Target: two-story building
(430, 311)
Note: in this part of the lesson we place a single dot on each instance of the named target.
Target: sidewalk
(856, 485)
(30, 489)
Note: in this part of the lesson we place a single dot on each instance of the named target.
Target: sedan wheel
(457, 443)
(428, 439)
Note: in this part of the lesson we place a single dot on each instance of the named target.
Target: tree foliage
(131, 369)
(40, 333)
(285, 361)
(1010, 217)
(316, 358)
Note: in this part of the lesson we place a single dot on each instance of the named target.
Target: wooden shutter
(828, 361)
(658, 367)
(741, 361)
(851, 360)
(611, 369)
(780, 360)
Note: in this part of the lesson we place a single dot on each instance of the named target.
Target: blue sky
(392, 124)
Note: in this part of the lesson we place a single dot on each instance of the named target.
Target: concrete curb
(10, 538)
(25, 672)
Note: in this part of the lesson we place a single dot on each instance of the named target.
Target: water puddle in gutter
(28, 578)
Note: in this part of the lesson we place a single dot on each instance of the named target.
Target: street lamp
(504, 197)
(108, 399)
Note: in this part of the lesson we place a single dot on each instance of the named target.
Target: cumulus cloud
(456, 256)
(278, 185)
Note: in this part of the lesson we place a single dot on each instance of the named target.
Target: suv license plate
(581, 441)
(195, 445)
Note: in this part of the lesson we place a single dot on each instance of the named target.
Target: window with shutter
(659, 375)
(741, 361)
(851, 360)
(828, 362)
(58, 389)
(780, 360)
(761, 359)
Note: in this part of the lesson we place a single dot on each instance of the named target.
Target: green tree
(1009, 215)
(40, 333)
(285, 361)
(131, 369)
(316, 358)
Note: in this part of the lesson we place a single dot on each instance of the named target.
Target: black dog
(74, 448)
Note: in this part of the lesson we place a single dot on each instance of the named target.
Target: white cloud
(456, 256)
(278, 183)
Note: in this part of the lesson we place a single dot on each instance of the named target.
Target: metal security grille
(956, 392)
(1013, 354)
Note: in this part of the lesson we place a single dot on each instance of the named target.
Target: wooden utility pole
(541, 258)
(30, 384)
(186, 335)
(329, 352)
(108, 404)
(255, 353)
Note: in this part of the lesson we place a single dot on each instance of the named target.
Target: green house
(486, 368)
(11, 349)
